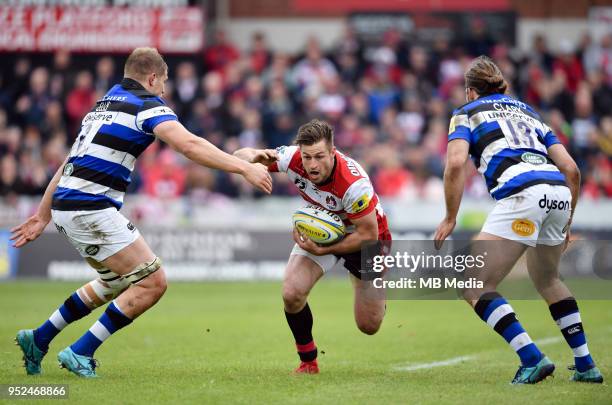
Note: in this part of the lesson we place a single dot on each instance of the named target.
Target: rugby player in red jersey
(329, 179)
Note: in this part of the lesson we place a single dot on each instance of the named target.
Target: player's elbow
(368, 232)
(452, 170)
(454, 163)
(188, 148)
(570, 169)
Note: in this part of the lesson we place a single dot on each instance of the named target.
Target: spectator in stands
(310, 73)
(79, 101)
(221, 53)
(259, 54)
(185, 88)
(105, 75)
(31, 107)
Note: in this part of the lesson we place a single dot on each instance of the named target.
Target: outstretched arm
(263, 156)
(35, 225)
(454, 182)
(206, 154)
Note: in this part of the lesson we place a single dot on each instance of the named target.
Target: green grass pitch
(229, 343)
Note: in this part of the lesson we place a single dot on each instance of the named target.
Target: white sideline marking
(547, 341)
(456, 360)
(448, 362)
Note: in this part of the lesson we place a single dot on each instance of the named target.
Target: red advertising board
(101, 29)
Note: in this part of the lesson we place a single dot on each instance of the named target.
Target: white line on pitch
(456, 360)
(448, 362)
(547, 341)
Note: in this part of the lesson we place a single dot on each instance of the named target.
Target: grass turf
(229, 343)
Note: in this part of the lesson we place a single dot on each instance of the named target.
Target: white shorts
(537, 215)
(96, 234)
(326, 262)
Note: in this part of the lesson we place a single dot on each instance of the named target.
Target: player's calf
(499, 315)
(148, 286)
(567, 316)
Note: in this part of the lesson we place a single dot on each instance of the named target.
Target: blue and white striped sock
(567, 316)
(110, 322)
(498, 314)
(73, 309)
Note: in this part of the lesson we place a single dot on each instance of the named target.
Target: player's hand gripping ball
(319, 225)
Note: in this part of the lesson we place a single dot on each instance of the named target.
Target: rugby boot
(535, 374)
(307, 367)
(32, 355)
(83, 366)
(592, 375)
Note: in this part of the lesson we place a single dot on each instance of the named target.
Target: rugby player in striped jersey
(84, 198)
(536, 184)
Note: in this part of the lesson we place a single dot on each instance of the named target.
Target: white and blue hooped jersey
(112, 136)
(508, 144)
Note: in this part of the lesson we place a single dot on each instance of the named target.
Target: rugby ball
(318, 224)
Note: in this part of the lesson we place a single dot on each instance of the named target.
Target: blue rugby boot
(32, 355)
(82, 366)
(535, 374)
(592, 375)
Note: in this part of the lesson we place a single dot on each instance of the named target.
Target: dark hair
(313, 132)
(484, 76)
(144, 61)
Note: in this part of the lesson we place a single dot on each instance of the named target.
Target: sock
(567, 316)
(73, 309)
(498, 314)
(110, 322)
(301, 327)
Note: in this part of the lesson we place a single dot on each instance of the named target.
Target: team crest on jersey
(523, 227)
(331, 202)
(68, 169)
(533, 158)
(361, 204)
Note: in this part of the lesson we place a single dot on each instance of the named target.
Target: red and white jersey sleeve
(285, 154)
(358, 199)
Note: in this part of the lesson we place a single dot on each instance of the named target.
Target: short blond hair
(144, 61)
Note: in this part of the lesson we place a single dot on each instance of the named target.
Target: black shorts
(353, 261)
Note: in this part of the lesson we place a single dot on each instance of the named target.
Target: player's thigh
(105, 238)
(369, 300)
(500, 257)
(301, 274)
(543, 263)
(556, 204)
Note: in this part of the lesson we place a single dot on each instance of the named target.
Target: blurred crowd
(390, 104)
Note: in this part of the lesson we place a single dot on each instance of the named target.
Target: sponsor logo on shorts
(533, 158)
(131, 226)
(60, 229)
(523, 227)
(68, 169)
(565, 228)
(92, 250)
(553, 204)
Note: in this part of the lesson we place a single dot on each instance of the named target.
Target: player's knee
(293, 298)
(369, 326)
(159, 284)
(546, 282)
